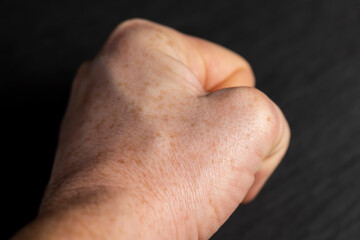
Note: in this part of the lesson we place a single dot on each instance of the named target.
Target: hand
(164, 136)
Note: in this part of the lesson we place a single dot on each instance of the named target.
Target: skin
(164, 136)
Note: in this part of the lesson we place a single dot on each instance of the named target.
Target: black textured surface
(306, 57)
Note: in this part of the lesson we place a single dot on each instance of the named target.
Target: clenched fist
(164, 136)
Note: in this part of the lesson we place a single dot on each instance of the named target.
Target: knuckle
(131, 24)
(82, 73)
(83, 68)
(258, 120)
(263, 114)
(134, 35)
(267, 123)
(127, 35)
(259, 104)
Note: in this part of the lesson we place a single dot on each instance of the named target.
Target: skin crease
(164, 136)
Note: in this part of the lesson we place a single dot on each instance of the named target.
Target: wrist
(103, 215)
(84, 217)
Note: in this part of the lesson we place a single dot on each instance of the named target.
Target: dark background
(306, 57)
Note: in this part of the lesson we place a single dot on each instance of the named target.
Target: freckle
(121, 160)
(142, 89)
(158, 36)
(251, 105)
(168, 68)
(155, 99)
(147, 185)
(143, 201)
(192, 125)
(101, 155)
(137, 160)
(269, 119)
(131, 148)
(172, 135)
(165, 118)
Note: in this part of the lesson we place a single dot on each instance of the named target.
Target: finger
(239, 78)
(251, 135)
(268, 166)
(223, 68)
(271, 161)
(213, 66)
(259, 131)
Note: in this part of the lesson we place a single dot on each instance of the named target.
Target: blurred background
(305, 55)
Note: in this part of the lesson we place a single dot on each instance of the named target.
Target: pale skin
(164, 136)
